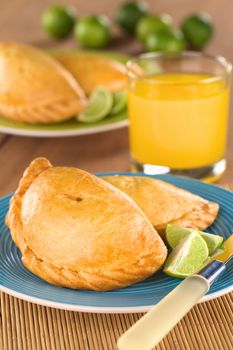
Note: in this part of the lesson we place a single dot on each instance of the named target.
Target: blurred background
(20, 20)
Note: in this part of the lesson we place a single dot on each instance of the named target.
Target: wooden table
(20, 20)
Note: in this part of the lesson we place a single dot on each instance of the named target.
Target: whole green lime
(93, 31)
(165, 40)
(58, 21)
(197, 29)
(129, 14)
(152, 24)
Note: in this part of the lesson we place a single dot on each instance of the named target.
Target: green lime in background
(129, 14)
(93, 31)
(197, 29)
(165, 40)
(152, 24)
(58, 21)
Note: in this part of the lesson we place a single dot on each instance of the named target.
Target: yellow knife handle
(151, 328)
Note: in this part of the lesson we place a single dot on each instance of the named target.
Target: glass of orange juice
(178, 110)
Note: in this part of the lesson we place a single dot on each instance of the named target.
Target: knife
(152, 327)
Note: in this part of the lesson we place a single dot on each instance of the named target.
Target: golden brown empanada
(75, 230)
(164, 203)
(35, 88)
(92, 69)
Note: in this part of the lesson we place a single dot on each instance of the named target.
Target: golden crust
(164, 203)
(75, 230)
(91, 70)
(13, 218)
(35, 88)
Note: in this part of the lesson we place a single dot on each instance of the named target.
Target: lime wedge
(218, 251)
(119, 101)
(213, 241)
(175, 233)
(99, 106)
(188, 256)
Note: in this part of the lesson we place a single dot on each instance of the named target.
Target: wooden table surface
(20, 21)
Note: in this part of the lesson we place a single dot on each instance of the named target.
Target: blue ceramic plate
(16, 280)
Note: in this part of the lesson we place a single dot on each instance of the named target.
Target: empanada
(75, 230)
(164, 203)
(92, 69)
(35, 88)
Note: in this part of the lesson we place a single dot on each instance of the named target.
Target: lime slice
(188, 256)
(119, 101)
(99, 106)
(218, 251)
(213, 241)
(175, 233)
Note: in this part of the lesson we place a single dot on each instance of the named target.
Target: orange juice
(178, 120)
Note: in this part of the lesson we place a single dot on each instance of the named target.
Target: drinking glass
(178, 110)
